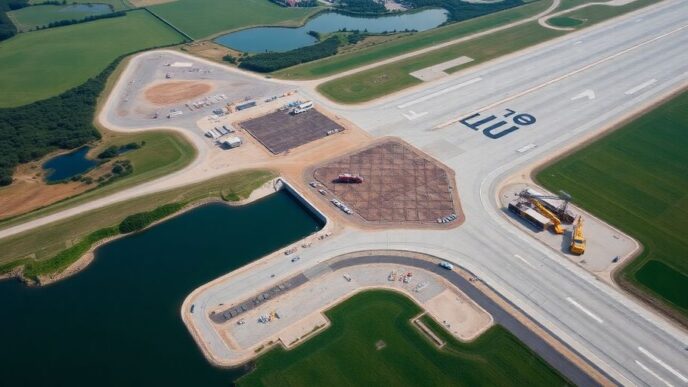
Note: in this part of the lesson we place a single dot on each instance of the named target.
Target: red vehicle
(349, 178)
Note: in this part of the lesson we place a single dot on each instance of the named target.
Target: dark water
(67, 165)
(279, 39)
(118, 323)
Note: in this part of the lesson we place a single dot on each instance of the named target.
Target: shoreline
(83, 262)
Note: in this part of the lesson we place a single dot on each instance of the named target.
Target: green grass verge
(40, 64)
(386, 79)
(29, 18)
(203, 18)
(637, 179)
(51, 248)
(118, 5)
(565, 22)
(351, 60)
(345, 354)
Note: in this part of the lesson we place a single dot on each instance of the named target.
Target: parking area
(281, 131)
(399, 184)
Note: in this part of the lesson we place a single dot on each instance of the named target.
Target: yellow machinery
(578, 239)
(556, 223)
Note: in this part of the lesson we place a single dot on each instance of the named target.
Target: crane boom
(556, 223)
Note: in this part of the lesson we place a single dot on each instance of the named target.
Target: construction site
(391, 182)
(555, 222)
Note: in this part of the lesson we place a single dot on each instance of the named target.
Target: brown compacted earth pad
(176, 91)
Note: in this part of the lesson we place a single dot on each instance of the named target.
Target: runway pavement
(554, 95)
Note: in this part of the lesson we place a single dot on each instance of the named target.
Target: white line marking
(523, 259)
(525, 149)
(413, 115)
(589, 94)
(438, 93)
(584, 310)
(577, 42)
(663, 364)
(640, 87)
(572, 73)
(649, 371)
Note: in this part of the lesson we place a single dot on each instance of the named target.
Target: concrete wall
(282, 184)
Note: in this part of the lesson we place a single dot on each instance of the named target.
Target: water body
(280, 39)
(67, 165)
(117, 323)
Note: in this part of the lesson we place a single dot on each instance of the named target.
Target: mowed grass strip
(637, 179)
(41, 15)
(386, 79)
(347, 353)
(40, 64)
(45, 242)
(339, 63)
(203, 18)
(118, 5)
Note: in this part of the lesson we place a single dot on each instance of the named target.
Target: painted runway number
(494, 129)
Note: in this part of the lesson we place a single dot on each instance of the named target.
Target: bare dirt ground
(29, 192)
(400, 185)
(209, 50)
(176, 91)
(459, 315)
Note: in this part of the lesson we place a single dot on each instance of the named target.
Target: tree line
(272, 61)
(7, 28)
(462, 10)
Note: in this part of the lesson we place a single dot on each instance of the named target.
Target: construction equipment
(349, 178)
(578, 239)
(556, 223)
(561, 211)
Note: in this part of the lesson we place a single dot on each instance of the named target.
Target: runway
(548, 97)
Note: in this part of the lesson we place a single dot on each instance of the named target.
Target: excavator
(578, 239)
(556, 223)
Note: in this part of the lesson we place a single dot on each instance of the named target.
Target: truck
(528, 214)
(245, 105)
(349, 178)
(577, 245)
(304, 107)
(446, 265)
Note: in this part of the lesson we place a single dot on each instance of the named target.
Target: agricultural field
(204, 18)
(386, 79)
(118, 5)
(389, 49)
(637, 179)
(372, 342)
(74, 54)
(29, 18)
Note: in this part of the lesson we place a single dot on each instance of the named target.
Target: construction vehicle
(578, 239)
(349, 178)
(548, 201)
(556, 223)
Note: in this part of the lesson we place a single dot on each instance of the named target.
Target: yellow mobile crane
(556, 223)
(578, 239)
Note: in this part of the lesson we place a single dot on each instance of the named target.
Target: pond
(70, 164)
(280, 39)
(118, 322)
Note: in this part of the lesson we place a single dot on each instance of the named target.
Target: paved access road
(556, 94)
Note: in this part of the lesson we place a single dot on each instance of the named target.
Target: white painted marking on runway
(649, 371)
(526, 148)
(663, 364)
(523, 259)
(640, 87)
(577, 42)
(589, 94)
(584, 310)
(413, 115)
(439, 93)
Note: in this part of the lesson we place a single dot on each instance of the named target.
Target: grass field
(118, 5)
(386, 79)
(339, 63)
(41, 64)
(637, 179)
(565, 21)
(203, 18)
(345, 354)
(29, 18)
(45, 242)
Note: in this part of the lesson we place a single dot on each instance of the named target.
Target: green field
(45, 242)
(339, 63)
(203, 18)
(29, 18)
(637, 179)
(565, 21)
(386, 79)
(41, 64)
(345, 354)
(118, 5)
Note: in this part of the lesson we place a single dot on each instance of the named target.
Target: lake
(117, 323)
(280, 39)
(70, 164)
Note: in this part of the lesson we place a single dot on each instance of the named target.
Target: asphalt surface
(572, 88)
